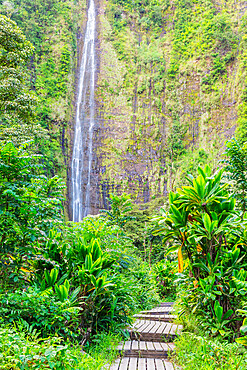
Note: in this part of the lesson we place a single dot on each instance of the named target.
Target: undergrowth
(197, 352)
(23, 350)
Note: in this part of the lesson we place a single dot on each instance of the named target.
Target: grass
(197, 352)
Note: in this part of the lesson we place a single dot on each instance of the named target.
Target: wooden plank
(173, 329)
(171, 346)
(120, 346)
(150, 346)
(162, 327)
(158, 311)
(150, 364)
(171, 316)
(164, 346)
(166, 304)
(168, 365)
(162, 309)
(135, 345)
(143, 327)
(156, 327)
(127, 345)
(133, 363)
(115, 365)
(165, 318)
(141, 364)
(138, 324)
(124, 363)
(142, 346)
(148, 328)
(157, 346)
(167, 329)
(159, 364)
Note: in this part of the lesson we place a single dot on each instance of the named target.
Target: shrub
(165, 272)
(201, 353)
(39, 311)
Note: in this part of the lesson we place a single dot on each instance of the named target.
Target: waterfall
(84, 122)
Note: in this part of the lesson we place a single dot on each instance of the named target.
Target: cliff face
(170, 92)
(171, 86)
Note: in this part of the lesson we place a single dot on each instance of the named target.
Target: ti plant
(92, 271)
(221, 321)
(243, 329)
(49, 284)
(199, 219)
(204, 227)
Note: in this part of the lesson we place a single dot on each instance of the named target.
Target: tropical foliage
(208, 232)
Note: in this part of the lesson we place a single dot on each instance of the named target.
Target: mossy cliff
(171, 89)
(171, 86)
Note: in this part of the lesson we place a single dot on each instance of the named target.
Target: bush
(209, 235)
(97, 258)
(165, 272)
(39, 311)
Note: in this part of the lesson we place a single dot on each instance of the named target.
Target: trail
(151, 340)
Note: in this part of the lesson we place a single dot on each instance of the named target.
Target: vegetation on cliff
(51, 27)
(178, 93)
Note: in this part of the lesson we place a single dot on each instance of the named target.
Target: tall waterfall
(85, 118)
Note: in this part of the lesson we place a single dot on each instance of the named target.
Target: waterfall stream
(84, 123)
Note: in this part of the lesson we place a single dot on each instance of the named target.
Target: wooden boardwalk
(150, 341)
(159, 310)
(127, 363)
(144, 349)
(145, 316)
(150, 330)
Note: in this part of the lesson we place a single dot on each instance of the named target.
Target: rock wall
(171, 77)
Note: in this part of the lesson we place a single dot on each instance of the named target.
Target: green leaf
(74, 294)
(88, 262)
(171, 249)
(218, 311)
(227, 315)
(207, 222)
(242, 340)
